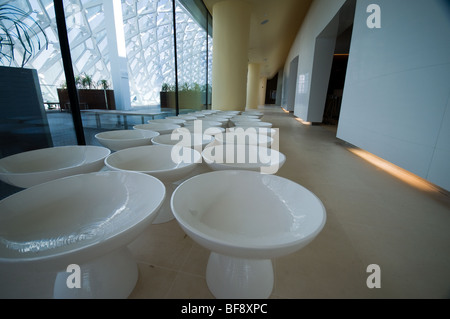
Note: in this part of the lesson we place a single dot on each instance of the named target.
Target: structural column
(117, 53)
(231, 27)
(253, 84)
(262, 91)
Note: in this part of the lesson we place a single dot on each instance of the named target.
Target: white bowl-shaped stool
(246, 218)
(185, 117)
(180, 122)
(222, 120)
(166, 162)
(235, 120)
(253, 113)
(84, 221)
(207, 123)
(252, 124)
(184, 137)
(205, 130)
(161, 128)
(243, 135)
(120, 139)
(243, 157)
(30, 168)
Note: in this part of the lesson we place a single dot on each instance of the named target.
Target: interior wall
(279, 87)
(291, 84)
(396, 101)
(320, 13)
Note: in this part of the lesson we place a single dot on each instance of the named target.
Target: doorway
(338, 70)
(337, 78)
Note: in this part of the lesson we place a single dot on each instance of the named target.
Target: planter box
(167, 100)
(186, 100)
(190, 100)
(89, 99)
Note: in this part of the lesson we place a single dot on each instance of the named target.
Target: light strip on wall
(396, 171)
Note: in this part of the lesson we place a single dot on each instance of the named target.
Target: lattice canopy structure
(149, 41)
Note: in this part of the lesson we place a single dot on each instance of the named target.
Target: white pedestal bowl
(85, 220)
(253, 124)
(243, 157)
(165, 162)
(205, 123)
(205, 130)
(180, 122)
(246, 219)
(187, 118)
(120, 139)
(183, 137)
(30, 168)
(243, 135)
(253, 113)
(161, 128)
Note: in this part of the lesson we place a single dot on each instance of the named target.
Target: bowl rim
(204, 142)
(282, 156)
(106, 150)
(226, 242)
(99, 137)
(91, 245)
(137, 148)
(167, 126)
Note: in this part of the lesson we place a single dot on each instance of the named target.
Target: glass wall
(148, 27)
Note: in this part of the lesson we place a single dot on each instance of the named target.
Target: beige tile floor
(372, 218)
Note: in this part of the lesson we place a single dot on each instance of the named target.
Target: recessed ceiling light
(264, 21)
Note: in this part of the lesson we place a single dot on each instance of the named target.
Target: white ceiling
(270, 42)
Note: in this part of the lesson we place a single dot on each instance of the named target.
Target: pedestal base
(165, 212)
(110, 276)
(237, 278)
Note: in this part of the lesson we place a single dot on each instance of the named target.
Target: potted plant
(91, 95)
(20, 93)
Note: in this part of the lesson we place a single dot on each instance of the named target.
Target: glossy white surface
(243, 157)
(76, 219)
(253, 113)
(120, 139)
(164, 162)
(187, 118)
(252, 124)
(226, 116)
(34, 167)
(161, 128)
(213, 130)
(199, 115)
(222, 120)
(241, 116)
(234, 113)
(242, 135)
(205, 123)
(272, 218)
(235, 120)
(184, 137)
(180, 122)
